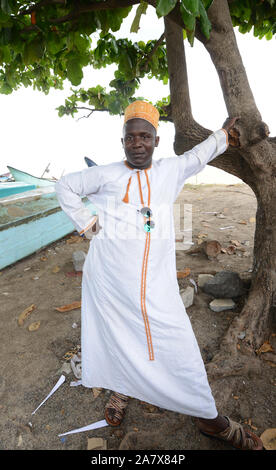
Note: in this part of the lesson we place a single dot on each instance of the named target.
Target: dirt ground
(33, 361)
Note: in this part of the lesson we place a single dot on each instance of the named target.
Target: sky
(32, 134)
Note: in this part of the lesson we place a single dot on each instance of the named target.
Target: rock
(241, 335)
(96, 443)
(78, 260)
(203, 278)
(187, 296)
(219, 305)
(65, 368)
(225, 285)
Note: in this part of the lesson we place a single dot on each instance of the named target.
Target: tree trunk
(254, 162)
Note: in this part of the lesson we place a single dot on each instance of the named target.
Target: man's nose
(137, 141)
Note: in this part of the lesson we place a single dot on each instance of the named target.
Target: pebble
(202, 278)
(219, 305)
(241, 335)
(187, 296)
(78, 258)
(66, 368)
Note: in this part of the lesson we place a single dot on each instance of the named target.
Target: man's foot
(227, 430)
(115, 409)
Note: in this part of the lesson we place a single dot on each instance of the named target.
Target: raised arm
(193, 161)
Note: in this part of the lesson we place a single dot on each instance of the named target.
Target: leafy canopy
(43, 43)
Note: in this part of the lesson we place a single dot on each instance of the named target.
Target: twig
(88, 109)
(154, 49)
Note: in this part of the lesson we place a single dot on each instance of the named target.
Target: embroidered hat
(143, 110)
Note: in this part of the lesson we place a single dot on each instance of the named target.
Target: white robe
(136, 337)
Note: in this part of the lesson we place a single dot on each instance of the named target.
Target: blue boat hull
(26, 227)
(8, 189)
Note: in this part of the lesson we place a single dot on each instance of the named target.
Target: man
(136, 336)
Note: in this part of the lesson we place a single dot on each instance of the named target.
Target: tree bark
(254, 162)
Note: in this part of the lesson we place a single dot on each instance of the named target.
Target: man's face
(139, 140)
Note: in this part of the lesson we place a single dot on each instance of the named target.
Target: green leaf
(5, 36)
(188, 18)
(192, 6)
(82, 43)
(207, 3)
(33, 52)
(204, 21)
(74, 71)
(141, 10)
(163, 7)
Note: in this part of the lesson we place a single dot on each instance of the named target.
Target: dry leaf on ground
(22, 317)
(269, 439)
(56, 269)
(69, 307)
(202, 235)
(235, 242)
(184, 273)
(34, 326)
(230, 249)
(265, 348)
(96, 391)
(74, 239)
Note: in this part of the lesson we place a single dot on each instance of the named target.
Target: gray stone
(78, 258)
(203, 278)
(225, 285)
(219, 305)
(65, 368)
(241, 335)
(187, 296)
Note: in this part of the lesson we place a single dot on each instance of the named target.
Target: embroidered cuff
(221, 137)
(89, 227)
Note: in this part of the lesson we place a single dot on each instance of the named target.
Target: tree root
(226, 365)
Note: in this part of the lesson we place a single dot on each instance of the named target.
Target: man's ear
(122, 140)
(157, 139)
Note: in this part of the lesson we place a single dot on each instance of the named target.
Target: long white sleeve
(70, 190)
(193, 161)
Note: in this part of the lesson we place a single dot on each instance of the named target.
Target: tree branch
(78, 10)
(98, 6)
(188, 132)
(181, 110)
(91, 111)
(223, 49)
(154, 49)
(39, 5)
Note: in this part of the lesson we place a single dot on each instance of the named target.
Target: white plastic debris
(75, 383)
(194, 284)
(98, 424)
(58, 384)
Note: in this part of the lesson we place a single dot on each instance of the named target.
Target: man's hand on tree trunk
(233, 133)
